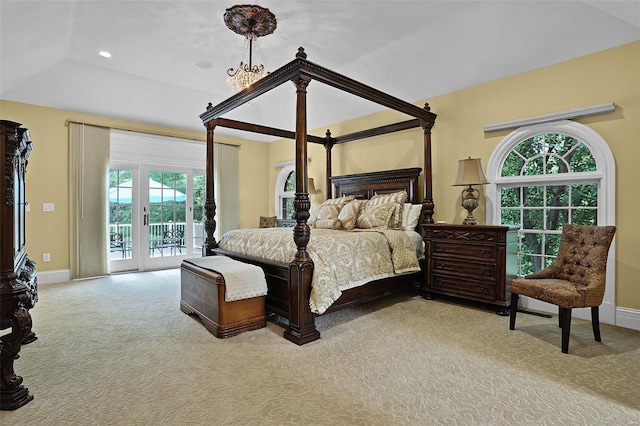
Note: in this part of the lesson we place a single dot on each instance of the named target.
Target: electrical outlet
(46, 257)
(47, 207)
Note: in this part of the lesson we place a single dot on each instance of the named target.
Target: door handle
(144, 220)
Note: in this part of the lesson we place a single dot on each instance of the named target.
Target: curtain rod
(565, 115)
(149, 132)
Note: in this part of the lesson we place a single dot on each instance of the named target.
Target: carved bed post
(302, 328)
(210, 202)
(328, 145)
(427, 205)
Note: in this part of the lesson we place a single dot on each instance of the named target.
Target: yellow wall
(610, 75)
(47, 175)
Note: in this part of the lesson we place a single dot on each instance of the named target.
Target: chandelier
(250, 21)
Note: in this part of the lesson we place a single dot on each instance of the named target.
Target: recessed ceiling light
(203, 64)
(104, 54)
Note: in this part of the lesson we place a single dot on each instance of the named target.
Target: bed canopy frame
(301, 325)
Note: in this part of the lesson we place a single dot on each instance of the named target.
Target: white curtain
(88, 171)
(227, 188)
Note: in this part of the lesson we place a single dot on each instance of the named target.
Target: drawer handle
(483, 252)
(441, 266)
(439, 282)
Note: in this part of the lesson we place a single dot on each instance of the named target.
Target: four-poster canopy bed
(290, 284)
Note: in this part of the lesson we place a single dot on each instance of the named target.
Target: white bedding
(342, 259)
(416, 241)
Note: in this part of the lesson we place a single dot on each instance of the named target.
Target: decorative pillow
(331, 207)
(375, 216)
(339, 200)
(410, 216)
(313, 213)
(395, 222)
(327, 224)
(329, 211)
(349, 214)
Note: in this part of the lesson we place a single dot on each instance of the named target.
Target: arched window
(544, 176)
(285, 192)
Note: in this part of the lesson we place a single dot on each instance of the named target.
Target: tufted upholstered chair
(576, 278)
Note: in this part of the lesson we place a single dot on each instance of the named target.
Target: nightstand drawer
(477, 252)
(459, 287)
(462, 268)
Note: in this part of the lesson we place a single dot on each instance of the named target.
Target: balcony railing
(165, 239)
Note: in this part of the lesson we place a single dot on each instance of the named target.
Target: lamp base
(470, 202)
(470, 220)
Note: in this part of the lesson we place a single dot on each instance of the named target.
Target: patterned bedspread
(342, 259)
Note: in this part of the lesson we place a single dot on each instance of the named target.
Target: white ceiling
(413, 50)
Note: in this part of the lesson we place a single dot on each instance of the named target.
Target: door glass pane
(167, 213)
(199, 195)
(120, 213)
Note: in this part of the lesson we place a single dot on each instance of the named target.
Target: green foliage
(541, 210)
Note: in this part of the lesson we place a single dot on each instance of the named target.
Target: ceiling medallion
(250, 21)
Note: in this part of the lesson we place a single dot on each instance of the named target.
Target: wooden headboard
(366, 185)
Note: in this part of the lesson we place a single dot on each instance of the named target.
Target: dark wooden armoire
(18, 284)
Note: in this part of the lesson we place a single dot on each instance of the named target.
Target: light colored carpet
(118, 351)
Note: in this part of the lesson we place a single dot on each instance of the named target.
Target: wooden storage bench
(202, 293)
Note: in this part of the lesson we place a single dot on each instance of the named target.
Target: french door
(155, 216)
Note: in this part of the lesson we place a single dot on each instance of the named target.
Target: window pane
(551, 244)
(510, 217)
(533, 196)
(287, 208)
(510, 197)
(533, 219)
(290, 183)
(555, 165)
(585, 195)
(512, 165)
(556, 218)
(558, 196)
(531, 243)
(534, 167)
(581, 159)
(584, 217)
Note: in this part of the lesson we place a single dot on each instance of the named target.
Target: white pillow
(410, 216)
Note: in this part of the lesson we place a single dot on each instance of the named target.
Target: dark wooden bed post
(328, 145)
(428, 206)
(302, 327)
(210, 202)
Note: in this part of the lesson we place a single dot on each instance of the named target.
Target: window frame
(604, 176)
(280, 193)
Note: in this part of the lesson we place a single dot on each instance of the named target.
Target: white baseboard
(609, 314)
(628, 318)
(50, 277)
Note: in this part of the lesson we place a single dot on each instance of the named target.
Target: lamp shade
(470, 173)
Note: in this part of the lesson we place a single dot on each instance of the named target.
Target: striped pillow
(398, 198)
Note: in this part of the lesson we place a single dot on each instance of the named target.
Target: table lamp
(470, 173)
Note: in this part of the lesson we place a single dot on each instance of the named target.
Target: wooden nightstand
(474, 262)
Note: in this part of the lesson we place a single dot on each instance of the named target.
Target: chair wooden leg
(595, 322)
(565, 314)
(560, 313)
(513, 310)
